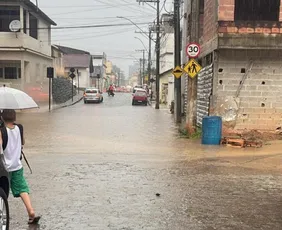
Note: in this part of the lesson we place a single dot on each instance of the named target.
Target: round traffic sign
(193, 50)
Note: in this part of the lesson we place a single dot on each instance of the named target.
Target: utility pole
(140, 75)
(177, 61)
(149, 52)
(157, 50)
(192, 82)
(158, 58)
(143, 67)
(143, 63)
(149, 56)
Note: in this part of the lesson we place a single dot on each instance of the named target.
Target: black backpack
(4, 134)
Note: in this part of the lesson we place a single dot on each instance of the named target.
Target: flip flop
(34, 220)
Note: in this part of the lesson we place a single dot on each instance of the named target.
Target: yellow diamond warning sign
(192, 68)
(177, 72)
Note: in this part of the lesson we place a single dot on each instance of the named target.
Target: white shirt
(12, 153)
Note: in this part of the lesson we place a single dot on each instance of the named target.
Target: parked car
(137, 87)
(140, 97)
(93, 95)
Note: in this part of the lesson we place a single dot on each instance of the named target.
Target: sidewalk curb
(65, 106)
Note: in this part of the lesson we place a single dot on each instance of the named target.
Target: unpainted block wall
(261, 94)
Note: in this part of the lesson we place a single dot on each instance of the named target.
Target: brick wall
(280, 14)
(209, 21)
(226, 10)
(209, 33)
(261, 94)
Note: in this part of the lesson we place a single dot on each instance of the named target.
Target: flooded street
(102, 166)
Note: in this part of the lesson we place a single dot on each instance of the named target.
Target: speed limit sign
(193, 50)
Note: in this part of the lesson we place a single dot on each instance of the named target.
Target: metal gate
(204, 91)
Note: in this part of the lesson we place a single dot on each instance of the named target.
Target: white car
(93, 95)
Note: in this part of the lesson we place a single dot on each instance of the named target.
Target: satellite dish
(15, 26)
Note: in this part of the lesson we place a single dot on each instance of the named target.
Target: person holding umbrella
(12, 155)
(11, 142)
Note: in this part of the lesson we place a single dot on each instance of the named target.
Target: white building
(166, 61)
(81, 61)
(99, 77)
(26, 53)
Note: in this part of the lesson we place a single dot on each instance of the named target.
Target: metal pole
(50, 94)
(72, 90)
(77, 81)
(158, 58)
(149, 55)
(143, 67)
(140, 75)
(177, 61)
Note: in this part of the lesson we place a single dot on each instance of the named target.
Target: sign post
(177, 72)
(192, 68)
(77, 81)
(72, 76)
(193, 50)
(50, 75)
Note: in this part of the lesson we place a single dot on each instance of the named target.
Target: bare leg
(26, 199)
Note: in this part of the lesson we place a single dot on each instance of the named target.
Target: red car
(140, 97)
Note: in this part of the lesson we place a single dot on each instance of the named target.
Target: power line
(89, 26)
(96, 36)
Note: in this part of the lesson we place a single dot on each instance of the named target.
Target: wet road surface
(100, 166)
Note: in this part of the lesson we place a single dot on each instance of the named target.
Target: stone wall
(62, 90)
(260, 98)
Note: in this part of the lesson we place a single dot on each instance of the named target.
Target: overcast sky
(117, 42)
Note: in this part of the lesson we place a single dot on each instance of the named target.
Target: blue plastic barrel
(211, 130)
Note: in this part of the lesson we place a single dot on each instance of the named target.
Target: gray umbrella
(15, 99)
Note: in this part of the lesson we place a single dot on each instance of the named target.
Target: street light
(133, 23)
(142, 43)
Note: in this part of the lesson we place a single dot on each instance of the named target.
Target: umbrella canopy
(15, 99)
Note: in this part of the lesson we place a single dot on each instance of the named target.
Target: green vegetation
(185, 134)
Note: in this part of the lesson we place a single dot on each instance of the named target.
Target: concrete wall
(34, 74)
(261, 95)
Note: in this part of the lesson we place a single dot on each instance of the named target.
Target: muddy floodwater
(121, 167)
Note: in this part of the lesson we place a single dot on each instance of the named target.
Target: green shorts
(18, 183)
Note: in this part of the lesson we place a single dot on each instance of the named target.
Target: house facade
(166, 60)
(81, 61)
(99, 77)
(241, 44)
(25, 53)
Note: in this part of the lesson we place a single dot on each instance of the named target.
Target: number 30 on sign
(193, 50)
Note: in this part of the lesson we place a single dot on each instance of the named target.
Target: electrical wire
(121, 7)
(90, 26)
(96, 36)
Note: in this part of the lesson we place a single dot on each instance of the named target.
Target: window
(91, 91)
(1, 73)
(254, 10)
(10, 72)
(24, 29)
(19, 72)
(33, 25)
(7, 15)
